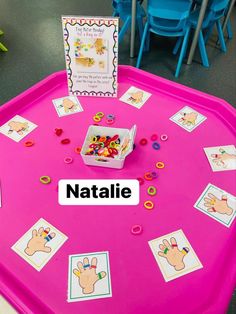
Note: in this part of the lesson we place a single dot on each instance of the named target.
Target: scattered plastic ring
(110, 121)
(160, 165)
(136, 229)
(110, 117)
(154, 174)
(164, 137)
(78, 150)
(45, 179)
(154, 137)
(96, 119)
(143, 141)
(65, 141)
(156, 146)
(148, 176)
(140, 180)
(152, 190)
(29, 143)
(68, 160)
(148, 205)
(99, 114)
(58, 131)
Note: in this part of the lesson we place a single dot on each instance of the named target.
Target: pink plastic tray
(137, 283)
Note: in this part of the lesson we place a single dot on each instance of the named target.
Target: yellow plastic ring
(160, 165)
(96, 119)
(94, 139)
(148, 205)
(45, 179)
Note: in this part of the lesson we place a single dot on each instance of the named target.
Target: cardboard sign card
(217, 204)
(91, 52)
(174, 255)
(17, 128)
(89, 277)
(38, 245)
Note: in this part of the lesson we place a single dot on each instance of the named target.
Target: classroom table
(138, 286)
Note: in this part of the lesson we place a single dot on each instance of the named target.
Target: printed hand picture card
(188, 119)
(217, 204)
(67, 105)
(17, 128)
(221, 158)
(135, 97)
(174, 255)
(89, 277)
(91, 52)
(38, 245)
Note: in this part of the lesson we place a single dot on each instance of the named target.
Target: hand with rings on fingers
(172, 254)
(188, 118)
(39, 240)
(221, 159)
(214, 204)
(87, 275)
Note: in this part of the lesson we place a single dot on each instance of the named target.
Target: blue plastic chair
(167, 18)
(228, 25)
(122, 9)
(213, 16)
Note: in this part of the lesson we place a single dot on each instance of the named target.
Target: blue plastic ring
(156, 146)
(86, 266)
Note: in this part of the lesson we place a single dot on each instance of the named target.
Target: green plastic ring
(152, 190)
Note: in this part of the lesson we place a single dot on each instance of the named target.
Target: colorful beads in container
(105, 146)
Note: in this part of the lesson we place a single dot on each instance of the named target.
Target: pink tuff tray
(137, 283)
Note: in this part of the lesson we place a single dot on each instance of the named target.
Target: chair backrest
(218, 8)
(123, 7)
(168, 15)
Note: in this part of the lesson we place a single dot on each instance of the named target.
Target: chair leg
(229, 30)
(182, 52)
(202, 49)
(208, 33)
(124, 29)
(3, 48)
(221, 36)
(177, 45)
(146, 29)
(147, 48)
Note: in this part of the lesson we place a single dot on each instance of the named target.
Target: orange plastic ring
(96, 119)
(160, 165)
(148, 205)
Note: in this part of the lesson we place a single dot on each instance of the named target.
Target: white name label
(98, 192)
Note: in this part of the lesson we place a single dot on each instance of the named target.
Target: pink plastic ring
(110, 121)
(68, 160)
(164, 137)
(136, 229)
(154, 137)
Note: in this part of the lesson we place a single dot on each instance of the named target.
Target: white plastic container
(126, 143)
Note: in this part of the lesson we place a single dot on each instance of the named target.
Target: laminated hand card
(188, 118)
(174, 255)
(135, 97)
(91, 52)
(217, 204)
(39, 244)
(17, 128)
(221, 158)
(67, 105)
(89, 277)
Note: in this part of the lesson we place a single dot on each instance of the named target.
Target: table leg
(197, 31)
(133, 27)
